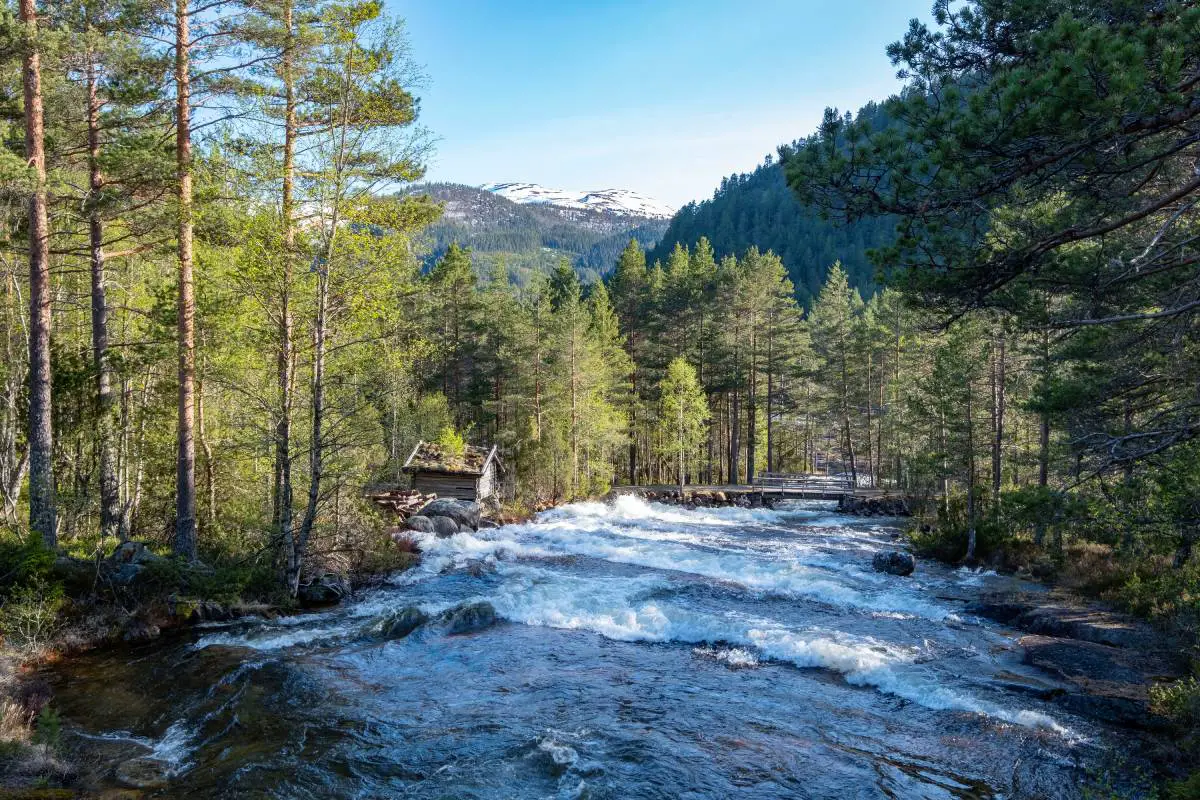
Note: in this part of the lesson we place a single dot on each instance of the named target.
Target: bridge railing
(815, 484)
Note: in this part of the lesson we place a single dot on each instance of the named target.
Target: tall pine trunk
(752, 412)
(285, 358)
(42, 518)
(1039, 531)
(999, 370)
(870, 416)
(970, 474)
(107, 410)
(316, 448)
(185, 467)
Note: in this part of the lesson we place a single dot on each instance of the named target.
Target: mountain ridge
(533, 235)
(624, 202)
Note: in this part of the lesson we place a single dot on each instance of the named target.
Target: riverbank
(65, 607)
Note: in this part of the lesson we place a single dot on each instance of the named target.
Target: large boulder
(327, 590)
(138, 631)
(444, 526)
(420, 524)
(134, 553)
(403, 622)
(469, 617)
(894, 562)
(464, 512)
(1107, 683)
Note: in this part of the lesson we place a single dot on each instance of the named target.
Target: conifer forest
(224, 328)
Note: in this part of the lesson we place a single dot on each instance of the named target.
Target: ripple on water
(744, 652)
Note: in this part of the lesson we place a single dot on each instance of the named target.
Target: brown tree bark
(185, 475)
(42, 517)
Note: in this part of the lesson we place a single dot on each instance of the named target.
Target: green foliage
(452, 442)
(758, 210)
(683, 413)
(1179, 700)
(23, 561)
(47, 728)
(29, 616)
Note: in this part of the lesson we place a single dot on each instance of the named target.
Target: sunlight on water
(621, 628)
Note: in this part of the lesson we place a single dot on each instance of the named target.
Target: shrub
(1179, 701)
(48, 728)
(29, 617)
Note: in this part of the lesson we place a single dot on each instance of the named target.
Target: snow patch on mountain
(624, 202)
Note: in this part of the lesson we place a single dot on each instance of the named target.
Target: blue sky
(661, 96)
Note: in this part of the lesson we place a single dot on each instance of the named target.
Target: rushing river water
(642, 651)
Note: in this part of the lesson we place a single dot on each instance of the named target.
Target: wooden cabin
(470, 476)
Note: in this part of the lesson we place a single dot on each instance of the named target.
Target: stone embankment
(883, 506)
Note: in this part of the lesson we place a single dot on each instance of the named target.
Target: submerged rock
(444, 527)
(469, 618)
(463, 512)
(403, 622)
(894, 562)
(143, 773)
(420, 524)
(327, 590)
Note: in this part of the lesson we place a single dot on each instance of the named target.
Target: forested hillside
(528, 238)
(757, 209)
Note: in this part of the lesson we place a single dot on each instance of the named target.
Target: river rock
(487, 524)
(211, 611)
(894, 562)
(444, 526)
(137, 631)
(143, 773)
(874, 506)
(328, 589)
(419, 523)
(403, 622)
(464, 512)
(134, 553)
(469, 617)
(1064, 619)
(77, 575)
(1106, 683)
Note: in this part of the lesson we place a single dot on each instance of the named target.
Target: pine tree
(683, 414)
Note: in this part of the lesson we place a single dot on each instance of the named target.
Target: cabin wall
(459, 487)
(487, 483)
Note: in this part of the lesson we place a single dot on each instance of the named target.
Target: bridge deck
(800, 490)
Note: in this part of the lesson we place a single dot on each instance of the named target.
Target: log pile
(403, 502)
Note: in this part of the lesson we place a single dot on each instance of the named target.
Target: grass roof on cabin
(432, 457)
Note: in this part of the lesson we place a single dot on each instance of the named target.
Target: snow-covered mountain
(624, 202)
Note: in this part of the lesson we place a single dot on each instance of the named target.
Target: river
(641, 650)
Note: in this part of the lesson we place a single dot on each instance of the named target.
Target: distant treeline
(757, 209)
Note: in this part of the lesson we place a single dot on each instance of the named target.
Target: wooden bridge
(773, 485)
(808, 487)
